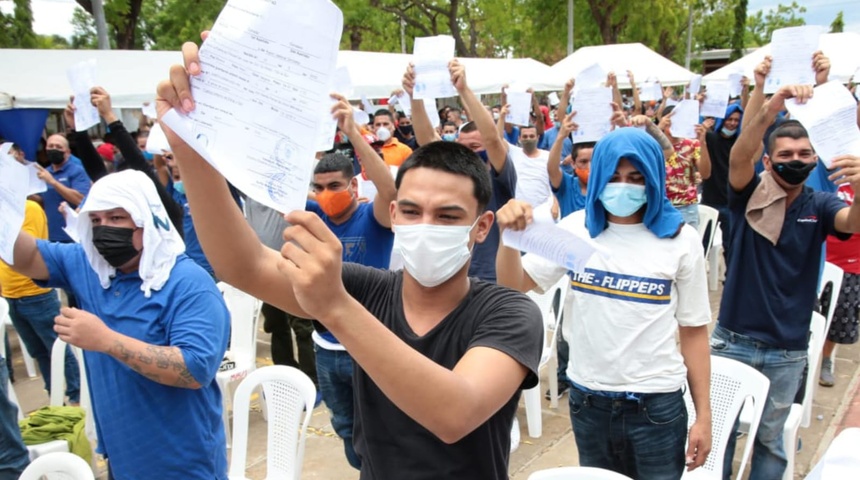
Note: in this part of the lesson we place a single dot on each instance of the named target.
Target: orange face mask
(582, 174)
(334, 203)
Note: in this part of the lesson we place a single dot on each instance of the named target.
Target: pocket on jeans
(664, 410)
(795, 355)
(717, 342)
(576, 399)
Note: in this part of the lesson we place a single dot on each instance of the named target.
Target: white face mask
(432, 253)
(728, 131)
(383, 134)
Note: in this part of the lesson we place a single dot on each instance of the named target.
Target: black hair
(453, 158)
(787, 129)
(468, 127)
(335, 162)
(382, 112)
(531, 125)
(668, 110)
(580, 146)
(454, 109)
(449, 124)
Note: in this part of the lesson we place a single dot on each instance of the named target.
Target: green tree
(123, 18)
(838, 24)
(738, 31)
(760, 26)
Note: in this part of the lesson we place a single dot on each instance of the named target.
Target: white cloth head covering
(134, 192)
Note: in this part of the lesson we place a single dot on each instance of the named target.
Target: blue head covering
(645, 154)
(732, 108)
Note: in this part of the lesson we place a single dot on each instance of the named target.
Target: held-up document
(13, 198)
(82, 78)
(36, 185)
(650, 91)
(432, 113)
(593, 109)
(156, 142)
(430, 57)
(736, 86)
(405, 102)
(521, 107)
(340, 83)
(553, 98)
(792, 49)
(367, 105)
(148, 109)
(592, 77)
(265, 68)
(71, 228)
(685, 116)
(716, 100)
(830, 117)
(547, 240)
(695, 85)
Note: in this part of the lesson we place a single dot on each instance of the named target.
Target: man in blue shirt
(778, 226)
(153, 328)
(67, 182)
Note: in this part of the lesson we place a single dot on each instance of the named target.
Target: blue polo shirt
(770, 290)
(547, 140)
(504, 183)
(192, 244)
(150, 430)
(364, 240)
(73, 176)
(569, 194)
(514, 137)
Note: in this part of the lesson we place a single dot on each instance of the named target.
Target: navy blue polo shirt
(73, 176)
(770, 290)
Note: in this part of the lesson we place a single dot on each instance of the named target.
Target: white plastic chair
(708, 221)
(56, 466)
(9, 388)
(551, 317)
(800, 415)
(732, 384)
(292, 395)
(576, 473)
(244, 314)
(832, 275)
(6, 320)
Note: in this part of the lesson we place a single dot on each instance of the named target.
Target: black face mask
(114, 244)
(406, 130)
(794, 172)
(55, 157)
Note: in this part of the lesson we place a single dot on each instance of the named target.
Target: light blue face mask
(623, 199)
(179, 187)
(449, 137)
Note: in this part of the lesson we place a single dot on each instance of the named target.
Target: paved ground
(834, 408)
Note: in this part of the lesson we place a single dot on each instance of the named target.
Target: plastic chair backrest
(732, 383)
(244, 312)
(576, 473)
(817, 334)
(551, 304)
(708, 220)
(5, 319)
(58, 382)
(56, 466)
(290, 396)
(10, 390)
(832, 275)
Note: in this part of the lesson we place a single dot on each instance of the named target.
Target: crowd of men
(405, 304)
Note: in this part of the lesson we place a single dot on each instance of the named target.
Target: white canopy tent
(839, 47)
(37, 78)
(639, 59)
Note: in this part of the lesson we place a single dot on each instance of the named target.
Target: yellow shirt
(14, 284)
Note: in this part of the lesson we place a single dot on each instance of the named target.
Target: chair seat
(37, 451)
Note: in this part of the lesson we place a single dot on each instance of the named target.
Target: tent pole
(101, 26)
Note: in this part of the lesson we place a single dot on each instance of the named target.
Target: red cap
(106, 151)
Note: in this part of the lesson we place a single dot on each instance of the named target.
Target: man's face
(732, 121)
(583, 159)
(786, 149)
(333, 181)
(471, 140)
(625, 172)
(118, 217)
(528, 134)
(453, 116)
(449, 129)
(404, 121)
(57, 142)
(380, 121)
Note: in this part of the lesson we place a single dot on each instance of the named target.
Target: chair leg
(714, 266)
(552, 368)
(533, 411)
(226, 403)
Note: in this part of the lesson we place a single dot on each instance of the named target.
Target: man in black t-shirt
(440, 357)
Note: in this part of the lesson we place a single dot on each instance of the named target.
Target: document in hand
(82, 78)
(340, 83)
(593, 107)
(36, 184)
(521, 106)
(716, 100)
(430, 58)
(736, 88)
(547, 240)
(650, 91)
(695, 85)
(592, 77)
(14, 183)
(792, 49)
(685, 116)
(830, 117)
(265, 77)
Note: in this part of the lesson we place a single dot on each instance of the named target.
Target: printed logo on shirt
(354, 249)
(808, 219)
(631, 288)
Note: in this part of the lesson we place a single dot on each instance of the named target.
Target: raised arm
(612, 82)
(424, 131)
(564, 101)
(757, 96)
(553, 164)
(746, 150)
(637, 104)
(376, 169)
(515, 215)
(496, 146)
(90, 158)
(539, 123)
(652, 129)
(745, 92)
(703, 164)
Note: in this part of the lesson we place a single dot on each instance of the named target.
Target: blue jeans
(14, 456)
(784, 369)
(640, 438)
(334, 373)
(33, 318)
(690, 214)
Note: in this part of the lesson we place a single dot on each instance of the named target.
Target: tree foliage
(761, 25)
(838, 24)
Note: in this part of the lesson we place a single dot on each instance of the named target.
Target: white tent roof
(641, 60)
(839, 47)
(37, 78)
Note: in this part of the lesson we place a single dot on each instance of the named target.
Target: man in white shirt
(532, 178)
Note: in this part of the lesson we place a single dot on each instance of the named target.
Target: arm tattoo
(163, 365)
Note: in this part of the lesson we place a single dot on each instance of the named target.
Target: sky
(54, 16)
